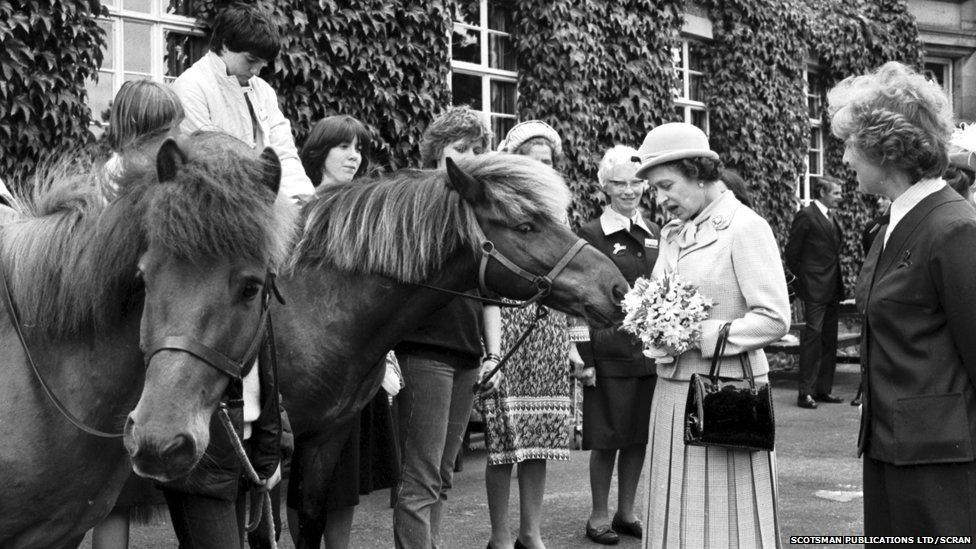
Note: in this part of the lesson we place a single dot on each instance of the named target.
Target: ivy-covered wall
(600, 73)
(847, 38)
(48, 48)
(753, 88)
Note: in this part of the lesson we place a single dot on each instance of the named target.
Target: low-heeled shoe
(829, 399)
(604, 535)
(634, 529)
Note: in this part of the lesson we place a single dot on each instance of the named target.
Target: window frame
(160, 23)
(685, 71)
(803, 191)
(483, 70)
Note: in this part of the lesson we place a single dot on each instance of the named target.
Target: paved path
(816, 455)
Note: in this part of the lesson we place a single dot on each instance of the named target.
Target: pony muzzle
(159, 456)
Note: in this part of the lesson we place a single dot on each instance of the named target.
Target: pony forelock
(71, 256)
(407, 224)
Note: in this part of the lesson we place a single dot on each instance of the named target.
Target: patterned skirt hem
(502, 458)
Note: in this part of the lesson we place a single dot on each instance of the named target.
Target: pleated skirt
(704, 497)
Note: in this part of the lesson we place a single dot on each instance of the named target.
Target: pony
(187, 237)
(352, 290)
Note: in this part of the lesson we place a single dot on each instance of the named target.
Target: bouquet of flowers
(666, 315)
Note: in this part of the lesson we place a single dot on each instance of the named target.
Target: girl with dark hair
(337, 150)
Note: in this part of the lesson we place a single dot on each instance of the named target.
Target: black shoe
(519, 544)
(856, 401)
(633, 529)
(806, 401)
(604, 535)
(827, 399)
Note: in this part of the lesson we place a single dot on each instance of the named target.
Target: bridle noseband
(235, 369)
(542, 283)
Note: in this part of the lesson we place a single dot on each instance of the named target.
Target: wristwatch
(491, 356)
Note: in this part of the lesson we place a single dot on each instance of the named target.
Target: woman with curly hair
(439, 361)
(918, 296)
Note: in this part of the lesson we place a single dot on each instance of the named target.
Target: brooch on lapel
(905, 260)
(618, 247)
(718, 221)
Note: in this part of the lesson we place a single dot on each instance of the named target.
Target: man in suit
(813, 255)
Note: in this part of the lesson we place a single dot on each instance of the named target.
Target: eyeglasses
(632, 184)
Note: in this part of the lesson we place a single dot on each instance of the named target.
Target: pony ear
(468, 187)
(271, 167)
(169, 160)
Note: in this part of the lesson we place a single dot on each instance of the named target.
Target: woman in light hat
(619, 380)
(710, 496)
(527, 414)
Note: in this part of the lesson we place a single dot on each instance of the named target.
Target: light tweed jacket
(733, 259)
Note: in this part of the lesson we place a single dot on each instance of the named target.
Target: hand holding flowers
(665, 314)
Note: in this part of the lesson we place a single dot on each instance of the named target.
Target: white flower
(665, 313)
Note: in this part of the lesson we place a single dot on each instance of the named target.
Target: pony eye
(525, 228)
(250, 290)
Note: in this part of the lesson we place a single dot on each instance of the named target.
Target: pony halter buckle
(235, 369)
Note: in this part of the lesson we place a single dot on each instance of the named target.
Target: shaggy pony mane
(405, 225)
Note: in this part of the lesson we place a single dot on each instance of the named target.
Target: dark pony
(351, 295)
(82, 271)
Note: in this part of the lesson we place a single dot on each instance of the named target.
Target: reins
(264, 504)
(542, 283)
(15, 320)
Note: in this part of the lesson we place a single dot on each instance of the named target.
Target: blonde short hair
(895, 117)
(618, 155)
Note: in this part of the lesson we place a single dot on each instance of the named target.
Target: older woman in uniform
(618, 380)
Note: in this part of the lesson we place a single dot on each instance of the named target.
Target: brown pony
(350, 290)
(92, 281)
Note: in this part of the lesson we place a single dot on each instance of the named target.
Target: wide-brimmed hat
(673, 141)
(523, 131)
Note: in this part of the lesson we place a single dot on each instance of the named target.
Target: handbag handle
(723, 338)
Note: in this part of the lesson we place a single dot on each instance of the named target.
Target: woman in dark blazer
(917, 291)
(618, 380)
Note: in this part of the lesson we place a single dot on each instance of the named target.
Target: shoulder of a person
(745, 220)
(591, 227)
(261, 86)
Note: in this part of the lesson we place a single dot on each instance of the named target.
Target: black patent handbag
(728, 412)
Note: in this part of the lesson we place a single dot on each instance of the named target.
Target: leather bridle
(543, 286)
(542, 283)
(235, 369)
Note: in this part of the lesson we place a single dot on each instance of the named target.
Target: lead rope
(540, 313)
(264, 504)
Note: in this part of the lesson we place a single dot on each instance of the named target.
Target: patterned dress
(529, 415)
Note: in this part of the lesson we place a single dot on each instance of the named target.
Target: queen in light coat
(710, 496)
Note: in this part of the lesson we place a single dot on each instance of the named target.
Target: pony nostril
(180, 448)
(619, 291)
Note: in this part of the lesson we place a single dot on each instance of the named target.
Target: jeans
(434, 408)
(202, 522)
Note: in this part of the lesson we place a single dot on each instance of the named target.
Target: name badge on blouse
(650, 243)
